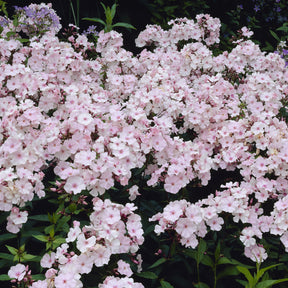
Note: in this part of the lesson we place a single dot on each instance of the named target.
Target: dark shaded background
(139, 13)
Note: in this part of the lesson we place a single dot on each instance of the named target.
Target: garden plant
(168, 168)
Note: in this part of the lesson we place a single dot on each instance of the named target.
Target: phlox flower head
(36, 19)
(117, 282)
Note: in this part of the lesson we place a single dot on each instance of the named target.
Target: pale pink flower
(185, 227)
(256, 253)
(74, 184)
(17, 272)
(124, 268)
(133, 192)
(48, 260)
(85, 244)
(247, 237)
(172, 212)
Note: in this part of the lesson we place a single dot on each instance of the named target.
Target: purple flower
(91, 30)
(257, 8)
(36, 19)
(3, 21)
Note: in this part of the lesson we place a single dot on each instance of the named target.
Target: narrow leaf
(217, 252)
(246, 273)
(147, 275)
(104, 7)
(263, 270)
(4, 277)
(6, 256)
(30, 257)
(57, 242)
(165, 284)
(95, 20)
(41, 238)
(201, 250)
(7, 236)
(113, 10)
(61, 222)
(43, 218)
(12, 250)
(38, 277)
(269, 283)
(274, 35)
(125, 25)
(225, 260)
(158, 263)
(206, 260)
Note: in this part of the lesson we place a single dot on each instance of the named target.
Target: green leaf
(10, 33)
(38, 277)
(125, 25)
(201, 250)
(147, 275)
(12, 250)
(113, 11)
(95, 20)
(274, 35)
(57, 242)
(263, 270)
(7, 236)
(206, 260)
(41, 238)
(104, 7)
(30, 257)
(49, 229)
(6, 256)
(15, 22)
(165, 284)
(246, 273)
(158, 263)
(23, 40)
(72, 207)
(43, 217)
(61, 222)
(217, 252)
(225, 260)
(190, 253)
(269, 283)
(4, 277)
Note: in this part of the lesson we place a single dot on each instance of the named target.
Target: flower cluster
(176, 111)
(33, 20)
(188, 220)
(114, 229)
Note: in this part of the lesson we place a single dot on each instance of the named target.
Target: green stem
(78, 12)
(215, 276)
(198, 272)
(73, 13)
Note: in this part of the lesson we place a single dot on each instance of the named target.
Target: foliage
(110, 14)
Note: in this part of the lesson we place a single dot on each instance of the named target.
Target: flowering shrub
(161, 121)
